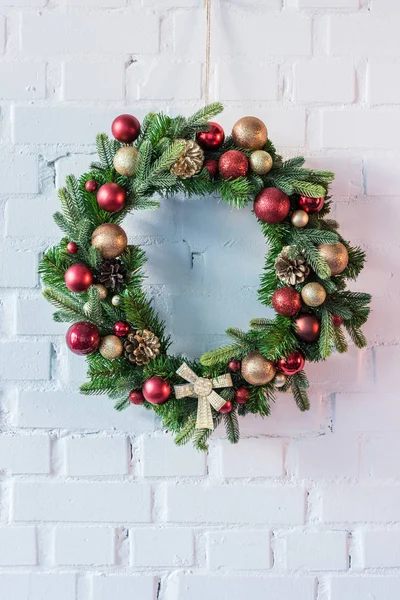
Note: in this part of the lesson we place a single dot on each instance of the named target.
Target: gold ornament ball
(260, 162)
(256, 369)
(299, 218)
(116, 300)
(101, 290)
(250, 133)
(110, 240)
(111, 347)
(335, 255)
(279, 380)
(313, 294)
(125, 160)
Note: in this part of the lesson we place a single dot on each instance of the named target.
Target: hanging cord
(208, 52)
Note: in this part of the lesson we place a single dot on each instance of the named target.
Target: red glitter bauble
(234, 365)
(78, 278)
(291, 364)
(226, 408)
(121, 328)
(337, 321)
(212, 167)
(83, 338)
(91, 185)
(311, 205)
(72, 248)
(111, 197)
(125, 128)
(308, 327)
(233, 164)
(242, 395)
(271, 205)
(156, 390)
(136, 397)
(212, 139)
(286, 301)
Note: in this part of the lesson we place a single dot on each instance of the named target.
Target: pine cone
(190, 162)
(112, 274)
(141, 347)
(291, 266)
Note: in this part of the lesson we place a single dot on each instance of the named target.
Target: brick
(319, 551)
(235, 461)
(2, 34)
(358, 503)
(80, 502)
(22, 173)
(379, 588)
(351, 35)
(162, 458)
(162, 547)
(326, 457)
(324, 82)
(37, 586)
(168, 263)
(353, 373)
(73, 164)
(226, 504)
(18, 269)
(243, 80)
(34, 317)
(69, 410)
(328, 3)
(123, 587)
(363, 413)
(22, 81)
(18, 546)
(348, 173)
(96, 456)
(97, 3)
(379, 456)
(25, 360)
(93, 81)
(362, 129)
(381, 176)
(234, 587)
(373, 210)
(25, 454)
(15, 3)
(53, 32)
(175, 86)
(22, 228)
(83, 546)
(380, 549)
(387, 373)
(382, 86)
(244, 550)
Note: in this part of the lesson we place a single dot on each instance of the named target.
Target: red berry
(242, 395)
(91, 185)
(136, 397)
(234, 365)
(121, 329)
(72, 248)
(337, 321)
(212, 167)
(226, 408)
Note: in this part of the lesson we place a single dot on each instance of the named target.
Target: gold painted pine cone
(190, 162)
(291, 268)
(141, 347)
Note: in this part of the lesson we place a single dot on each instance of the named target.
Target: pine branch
(232, 427)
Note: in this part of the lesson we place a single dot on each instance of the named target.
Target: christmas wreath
(95, 278)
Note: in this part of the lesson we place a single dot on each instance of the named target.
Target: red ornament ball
(91, 185)
(311, 205)
(78, 278)
(125, 128)
(233, 164)
(337, 321)
(234, 365)
(156, 390)
(291, 364)
(271, 205)
(212, 167)
(211, 139)
(83, 338)
(72, 248)
(136, 397)
(111, 197)
(121, 329)
(226, 408)
(308, 327)
(242, 395)
(286, 301)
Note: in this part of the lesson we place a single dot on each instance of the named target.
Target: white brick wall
(95, 504)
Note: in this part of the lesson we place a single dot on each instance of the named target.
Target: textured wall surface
(96, 505)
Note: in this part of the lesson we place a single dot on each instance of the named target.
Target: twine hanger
(208, 52)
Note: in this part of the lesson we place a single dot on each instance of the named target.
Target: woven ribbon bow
(203, 389)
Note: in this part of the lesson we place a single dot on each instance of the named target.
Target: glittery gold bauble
(256, 369)
(335, 255)
(101, 290)
(110, 239)
(116, 300)
(260, 162)
(125, 160)
(249, 133)
(299, 218)
(313, 294)
(111, 347)
(190, 162)
(279, 380)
